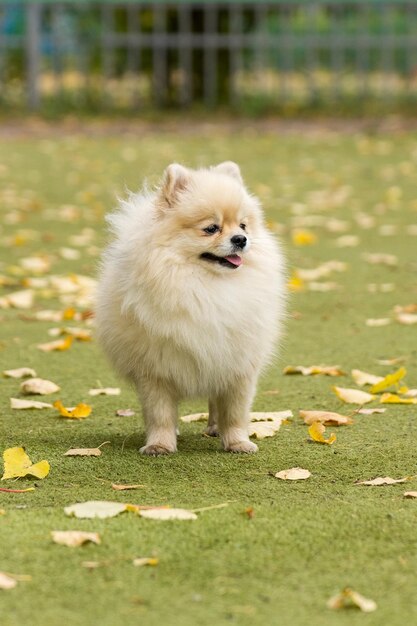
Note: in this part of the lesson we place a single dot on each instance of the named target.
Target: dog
(191, 301)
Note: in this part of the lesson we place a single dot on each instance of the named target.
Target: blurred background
(252, 57)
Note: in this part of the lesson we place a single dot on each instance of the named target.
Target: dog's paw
(246, 447)
(212, 430)
(155, 450)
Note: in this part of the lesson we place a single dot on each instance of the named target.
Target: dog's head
(208, 215)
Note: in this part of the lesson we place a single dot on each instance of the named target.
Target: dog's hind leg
(213, 419)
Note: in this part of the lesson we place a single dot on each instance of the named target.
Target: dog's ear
(231, 169)
(176, 178)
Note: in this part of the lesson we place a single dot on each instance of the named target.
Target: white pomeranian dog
(191, 300)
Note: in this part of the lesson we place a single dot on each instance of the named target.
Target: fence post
(32, 41)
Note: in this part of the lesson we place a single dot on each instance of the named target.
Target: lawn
(280, 549)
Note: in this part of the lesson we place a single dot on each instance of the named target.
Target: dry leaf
(348, 597)
(327, 370)
(389, 380)
(125, 413)
(406, 318)
(303, 237)
(261, 430)
(20, 299)
(410, 494)
(17, 403)
(168, 514)
(323, 287)
(272, 416)
(295, 473)
(74, 538)
(377, 322)
(106, 391)
(145, 561)
(95, 508)
(393, 361)
(82, 334)
(370, 411)
(353, 396)
(83, 452)
(17, 464)
(392, 398)
(39, 386)
(377, 482)
(21, 372)
(36, 264)
(328, 418)
(380, 258)
(17, 490)
(363, 378)
(79, 412)
(125, 487)
(194, 417)
(59, 345)
(316, 432)
(411, 393)
(6, 581)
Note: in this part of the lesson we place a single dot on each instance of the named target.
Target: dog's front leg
(233, 417)
(160, 411)
(213, 419)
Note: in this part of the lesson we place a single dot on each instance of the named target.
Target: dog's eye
(210, 230)
(242, 226)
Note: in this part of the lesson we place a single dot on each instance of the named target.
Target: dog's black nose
(239, 241)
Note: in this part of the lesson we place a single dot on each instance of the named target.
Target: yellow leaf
(392, 398)
(316, 432)
(80, 411)
(60, 344)
(17, 464)
(348, 597)
(303, 237)
(389, 380)
(328, 418)
(145, 561)
(353, 396)
(296, 283)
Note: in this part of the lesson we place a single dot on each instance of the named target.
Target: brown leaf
(125, 487)
(295, 473)
(377, 482)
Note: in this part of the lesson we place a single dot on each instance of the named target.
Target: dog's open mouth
(233, 260)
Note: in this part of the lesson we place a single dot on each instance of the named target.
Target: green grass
(306, 540)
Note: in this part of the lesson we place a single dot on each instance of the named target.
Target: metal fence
(132, 55)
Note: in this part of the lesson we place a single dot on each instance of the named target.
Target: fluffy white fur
(178, 325)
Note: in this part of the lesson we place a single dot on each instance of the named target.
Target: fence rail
(132, 55)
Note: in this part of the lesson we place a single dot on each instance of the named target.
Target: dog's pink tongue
(235, 259)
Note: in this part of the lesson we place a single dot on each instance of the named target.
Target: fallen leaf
(168, 514)
(303, 237)
(106, 391)
(328, 418)
(263, 429)
(58, 345)
(17, 403)
(20, 299)
(410, 494)
(21, 372)
(139, 562)
(347, 241)
(348, 597)
(323, 287)
(83, 452)
(377, 482)
(411, 393)
(295, 473)
(377, 322)
(17, 490)
(370, 411)
(316, 432)
(82, 334)
(389, 380)
(125, 413)
(79, 412)
(380, 258)
(407, 319)
(327, 370)
(125, 487)
(95, 508)
(17, 464)
(272, 416)
(74, 538)
(39, 386)
(392, 398)
(194, 417)
(363, 378)
(353, 396)
(393, 361)
(6, 581)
